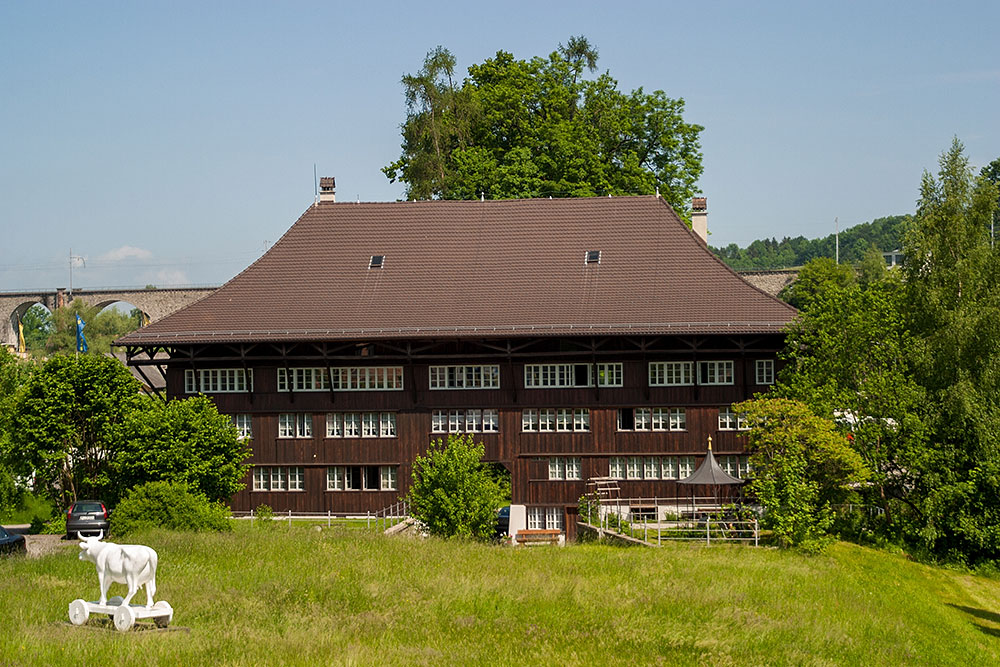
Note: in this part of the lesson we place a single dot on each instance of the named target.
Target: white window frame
(633, 467)
(547, 420)
(334, 425)
(218, 381)
(243, 422)
(685, 466)
(439, 421)
(651, 467)
(563, 376)
(716, 372)
(554, 518)
(764, 371)
(367, 378)
(671, 373)
(387, 478)
(304, 379)
(564, 468)
(730, 420)
(484, 376)
(737, 465)
(616, 467)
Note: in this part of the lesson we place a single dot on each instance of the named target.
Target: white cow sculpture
(131, 564)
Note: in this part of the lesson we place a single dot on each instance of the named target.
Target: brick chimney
(699, 217)
(327, 188)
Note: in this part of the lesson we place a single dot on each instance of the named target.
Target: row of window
(465, 421)
(338, 478)
(384, 477)
(383, 424)
(545, 518)
(536, 376)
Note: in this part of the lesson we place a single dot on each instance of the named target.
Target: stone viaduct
(155, 303)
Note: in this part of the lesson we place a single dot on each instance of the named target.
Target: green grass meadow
(348, 596)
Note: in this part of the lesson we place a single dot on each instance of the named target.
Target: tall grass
(295, 596)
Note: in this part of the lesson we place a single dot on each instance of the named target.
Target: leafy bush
(453, 492)
(54, 526)
(265, 515)
(168, 505)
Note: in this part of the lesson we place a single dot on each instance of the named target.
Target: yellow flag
(20, 336)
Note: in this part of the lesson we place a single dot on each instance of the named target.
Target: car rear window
(88, 507)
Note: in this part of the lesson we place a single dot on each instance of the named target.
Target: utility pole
(72, 259)
(836, 227)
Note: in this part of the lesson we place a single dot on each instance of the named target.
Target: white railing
(386, 516)
(657, 520)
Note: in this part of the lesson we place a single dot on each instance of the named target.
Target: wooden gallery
(575, 338)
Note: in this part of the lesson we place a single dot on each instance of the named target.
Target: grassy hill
(347, 596)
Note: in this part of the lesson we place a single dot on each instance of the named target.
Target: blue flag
(81, 340)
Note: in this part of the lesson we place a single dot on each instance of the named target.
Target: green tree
(529, 128)
(817, 276)
(848, 357)
(453, 492)
(185, 441)
(991, 173)
(37, 326)
(102, 327)
(65, 425)
(801, 467)
(13, 374)
(953, 310)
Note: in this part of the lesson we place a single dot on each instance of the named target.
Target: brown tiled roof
(474, 268)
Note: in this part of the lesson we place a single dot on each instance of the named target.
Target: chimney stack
(327, 189)
(699, 217)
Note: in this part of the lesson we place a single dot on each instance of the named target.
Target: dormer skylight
(376, 262)
(593, 257)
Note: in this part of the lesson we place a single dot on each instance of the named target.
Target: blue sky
(169, 143)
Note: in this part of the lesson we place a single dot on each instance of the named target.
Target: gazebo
(710, 473)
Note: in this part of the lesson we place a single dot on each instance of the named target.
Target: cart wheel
(124, 618)
(163, 621)
(78, 612)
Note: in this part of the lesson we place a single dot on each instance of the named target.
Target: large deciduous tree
(529, 128)
(65, 425)
(185, 441)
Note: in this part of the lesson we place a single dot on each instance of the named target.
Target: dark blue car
(11, 543)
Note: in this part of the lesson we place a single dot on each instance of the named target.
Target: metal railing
(657, 520)
(384, 517)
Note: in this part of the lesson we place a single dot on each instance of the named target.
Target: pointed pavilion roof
(710, 473)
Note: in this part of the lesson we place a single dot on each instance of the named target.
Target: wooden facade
(526, 454)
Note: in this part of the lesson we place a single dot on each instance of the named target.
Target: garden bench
(539, 536)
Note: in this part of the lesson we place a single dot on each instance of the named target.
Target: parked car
(11, 543)
(503, 522)
(86, 517)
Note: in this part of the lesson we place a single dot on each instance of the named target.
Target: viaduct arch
(155, 303)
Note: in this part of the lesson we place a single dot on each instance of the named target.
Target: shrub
(453, 492)
(167, 505)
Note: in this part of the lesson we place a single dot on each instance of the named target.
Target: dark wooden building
(576, 338)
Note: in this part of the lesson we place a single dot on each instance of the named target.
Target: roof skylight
(593, 257)
(376, 262)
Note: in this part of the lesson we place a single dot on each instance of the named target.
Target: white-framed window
(303, 379)
(361, 478)
(465, 421)
(715, 372)
(564, 467)
(387, 476)
(537, 376)
(545, 518)
(671, 373)
(367, 378)
(555, 419)
(369, 424)
(387, 425)
(735, 465)
(361, 424)
(465, 377)
(295, 425)
(218, 381)
(279, 478)
(651, 467)
(609, 375)
(616, 467)
(764, 371)
(643, 419)
(244, 426)
(633, 467)
(678, 419)
(730, 420)
(352, 425)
